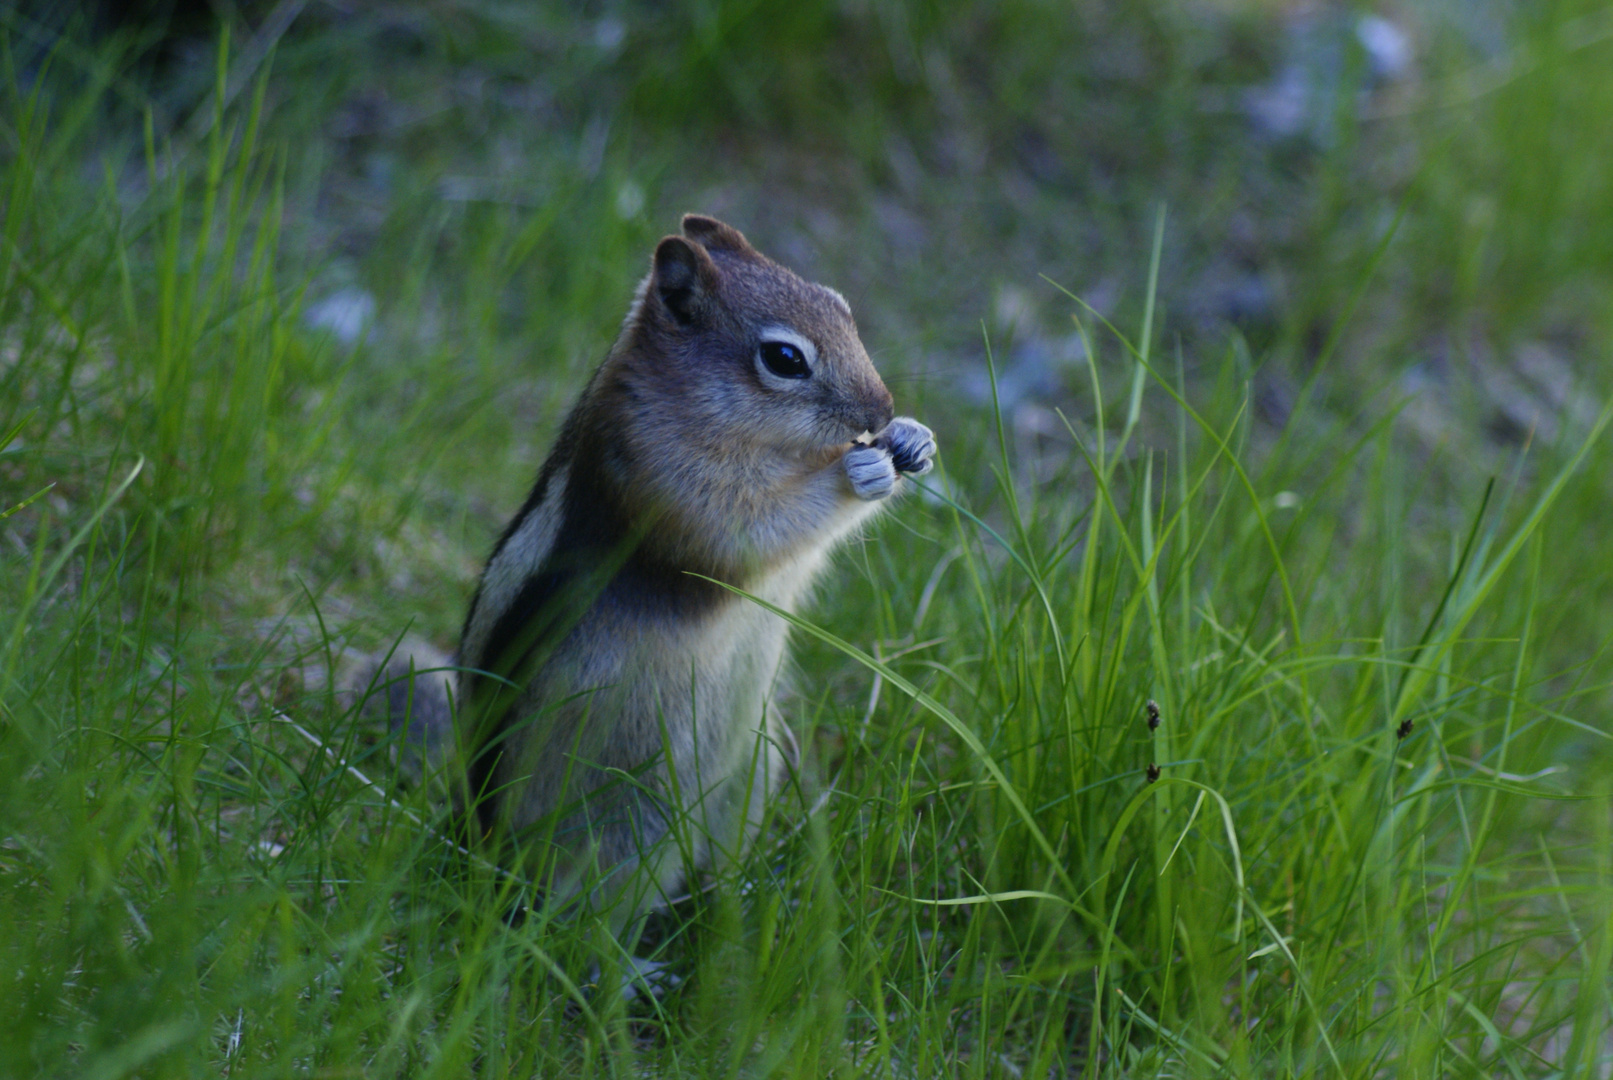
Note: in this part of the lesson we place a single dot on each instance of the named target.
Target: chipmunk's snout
(877, 408)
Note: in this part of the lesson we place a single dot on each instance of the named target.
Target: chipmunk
(611, 691)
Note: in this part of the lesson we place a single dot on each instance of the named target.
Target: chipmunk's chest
(715, 666)
(709, 652)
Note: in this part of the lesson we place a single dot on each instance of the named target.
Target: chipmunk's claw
(871, 470)
(911, 445)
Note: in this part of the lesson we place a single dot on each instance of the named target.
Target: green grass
(1379, 840)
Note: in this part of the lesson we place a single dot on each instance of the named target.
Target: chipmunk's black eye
(785, 360)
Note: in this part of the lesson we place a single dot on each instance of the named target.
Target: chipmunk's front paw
(911, 445)
(871, 470)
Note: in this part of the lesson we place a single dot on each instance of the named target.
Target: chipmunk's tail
(414, 690)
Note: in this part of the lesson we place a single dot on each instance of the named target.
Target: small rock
(1387, 46)
(629, 200)
(349, 314)
(609, 34)
(1302, 99)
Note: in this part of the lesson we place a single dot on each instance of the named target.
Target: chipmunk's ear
(685, 279)
(714, 235)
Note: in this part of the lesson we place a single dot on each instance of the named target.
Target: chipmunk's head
(732, 344)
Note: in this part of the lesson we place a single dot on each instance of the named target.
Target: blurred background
(1376, 204)
(1416, 194)
(1422, 187)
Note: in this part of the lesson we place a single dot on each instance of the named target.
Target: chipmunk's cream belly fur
(695, 703)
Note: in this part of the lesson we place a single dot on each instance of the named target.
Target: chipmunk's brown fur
(625, 697)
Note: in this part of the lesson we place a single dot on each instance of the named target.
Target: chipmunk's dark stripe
(575, 578)
(531, 618)
(558, 459)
